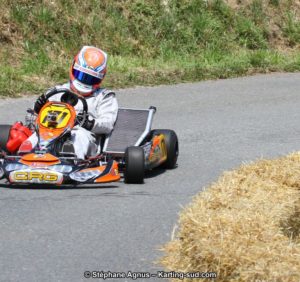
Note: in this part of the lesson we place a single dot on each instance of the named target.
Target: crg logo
(35, 176)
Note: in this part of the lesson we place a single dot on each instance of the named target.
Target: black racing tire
(4, 135)
(172, 146)
(134, 165)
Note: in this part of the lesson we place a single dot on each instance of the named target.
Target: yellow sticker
(55, 116)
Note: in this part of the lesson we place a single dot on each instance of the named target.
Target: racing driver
(86, 75)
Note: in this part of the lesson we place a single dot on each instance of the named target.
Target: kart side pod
(17, 135)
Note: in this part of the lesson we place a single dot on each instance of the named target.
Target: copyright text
(159, 274)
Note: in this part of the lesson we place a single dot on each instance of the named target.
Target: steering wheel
(70, 98)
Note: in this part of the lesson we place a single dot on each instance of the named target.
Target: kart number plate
(36, 176)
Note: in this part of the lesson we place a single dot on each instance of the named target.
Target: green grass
(148, 42)
(292, 29)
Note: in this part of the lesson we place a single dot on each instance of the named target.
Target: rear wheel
(134, 165)
(172, 146)
(4, 135)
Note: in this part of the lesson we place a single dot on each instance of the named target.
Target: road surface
(57, 234)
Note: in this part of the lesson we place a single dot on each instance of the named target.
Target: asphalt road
(57, 234)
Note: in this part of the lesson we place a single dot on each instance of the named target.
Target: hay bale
(245, 226)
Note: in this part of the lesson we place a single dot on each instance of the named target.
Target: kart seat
(131, 128)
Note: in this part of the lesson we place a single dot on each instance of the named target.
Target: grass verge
(149, 42)
(245, 226)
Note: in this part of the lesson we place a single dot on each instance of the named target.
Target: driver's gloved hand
(40, 102)
(88, 123)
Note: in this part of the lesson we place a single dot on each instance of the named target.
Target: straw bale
(244, 227)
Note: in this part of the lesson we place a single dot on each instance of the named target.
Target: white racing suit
(103, 107)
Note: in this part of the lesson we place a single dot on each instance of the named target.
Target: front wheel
(134, 165)
(172, 147)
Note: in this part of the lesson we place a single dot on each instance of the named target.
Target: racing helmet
(88, 70)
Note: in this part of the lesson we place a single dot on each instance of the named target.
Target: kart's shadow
(154, 172)
(61, 187)
(148, 174)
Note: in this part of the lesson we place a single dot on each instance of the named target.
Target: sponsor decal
(156, 154)
(88, 71)
(39, 156)
(36, 176)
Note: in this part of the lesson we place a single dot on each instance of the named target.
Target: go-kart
(131, 148)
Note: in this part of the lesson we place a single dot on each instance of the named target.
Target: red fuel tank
(17, 135)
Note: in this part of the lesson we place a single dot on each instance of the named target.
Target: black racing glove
(88, 123)
(40, 102)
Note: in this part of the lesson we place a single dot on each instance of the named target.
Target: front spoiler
(48, 176)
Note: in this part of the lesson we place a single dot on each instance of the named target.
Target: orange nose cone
(94, 57)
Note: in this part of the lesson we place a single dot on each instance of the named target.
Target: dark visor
(85, 78)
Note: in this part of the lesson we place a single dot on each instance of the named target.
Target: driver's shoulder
(57, 96)
(103, 93)
(58, 87)
(63, 86)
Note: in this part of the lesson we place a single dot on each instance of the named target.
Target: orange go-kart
(131, 149)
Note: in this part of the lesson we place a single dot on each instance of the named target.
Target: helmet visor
(85, 78)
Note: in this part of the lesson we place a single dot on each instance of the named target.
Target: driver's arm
(107, 110)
